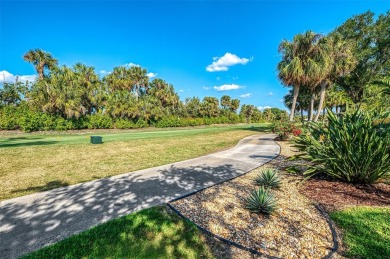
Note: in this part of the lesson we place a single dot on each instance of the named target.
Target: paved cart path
(30, 222)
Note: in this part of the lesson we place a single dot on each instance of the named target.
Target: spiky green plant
(268, 178)
(261, 201)
(350, 148)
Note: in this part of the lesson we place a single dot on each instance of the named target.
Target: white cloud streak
(206, 88)
(223, 63)
(7, 77)
(261, 108)
(151, 74)
(246, 95)
(227, 87)
(131, 65)
(270, 93)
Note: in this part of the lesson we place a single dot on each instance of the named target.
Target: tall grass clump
(350, 148)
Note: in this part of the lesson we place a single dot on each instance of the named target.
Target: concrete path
(30, 222)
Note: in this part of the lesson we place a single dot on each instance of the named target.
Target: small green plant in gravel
(268, 178)
(261, 201)
(351, 148)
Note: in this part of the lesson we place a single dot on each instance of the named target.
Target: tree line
(65, 97)
(348, 67)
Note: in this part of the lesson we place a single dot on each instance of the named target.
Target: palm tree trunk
(294, 102)
(323, 115)
(322, 98)
(311, 108)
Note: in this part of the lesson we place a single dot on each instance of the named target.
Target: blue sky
(177, 40)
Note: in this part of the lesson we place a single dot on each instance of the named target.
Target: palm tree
(225, 101)
(119, 79)
(338, 61)
(89, 81)
(41, 60)
(163, 92)
(299, 65)
(139, 79)
(234, 104)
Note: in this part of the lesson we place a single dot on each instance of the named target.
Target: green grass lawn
(42, 161)
(150, 233)
(366, 231)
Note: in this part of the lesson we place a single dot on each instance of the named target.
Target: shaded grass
(366, 231)
(150, 233)
(27, 169)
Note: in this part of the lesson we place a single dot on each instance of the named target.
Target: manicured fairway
(37, 162)
(150, 233)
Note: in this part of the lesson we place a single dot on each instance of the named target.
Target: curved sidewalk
(30, 222)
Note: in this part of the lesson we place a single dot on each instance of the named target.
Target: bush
(268, 178)
(285, 129)
(349, 148)
(99, 121)
(124, 124)
(9, 117)
(261, 201)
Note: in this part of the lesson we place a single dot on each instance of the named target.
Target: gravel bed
(295, 230)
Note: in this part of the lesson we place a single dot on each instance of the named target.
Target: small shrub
(261, 201)
(124, 124)
(268, 178)
(285, 129)
(350, 148)
(99, 121)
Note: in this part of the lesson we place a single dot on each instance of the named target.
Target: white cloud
(270, 93)
(223, 63)
(131, 65)
(104, 72)
(151, 74)
(7, 77)
(181, 91)
(206, 88)
(227, 87)
(245, 95)
(261, 108)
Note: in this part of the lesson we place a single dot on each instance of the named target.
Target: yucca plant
(349, 148)
(268, 178)
(261, 201)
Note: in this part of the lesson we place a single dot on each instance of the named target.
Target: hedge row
(23, 118)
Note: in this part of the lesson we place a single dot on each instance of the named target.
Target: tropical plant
(371, 48)
(12, 94)
(268, 178)
(285, 129)
(140, 80)
(301, 63)
(350, 148)
(339, 62)
(41, 60)
(209, 107)
(261, 201)
(60, 94)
